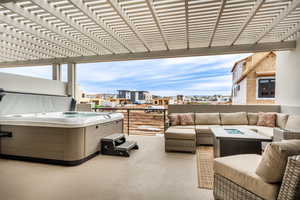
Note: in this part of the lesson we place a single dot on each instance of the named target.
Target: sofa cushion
(240, 169)
(180, 133)
(252, 118)
(186, 118)
(293, 123)
(174, 119)
(203, 129)
(237, 118)
(184, 127)
(266, 119)
(272, 165)
(207, 118)
(281, 120)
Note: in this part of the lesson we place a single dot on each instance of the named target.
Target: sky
(205, 75)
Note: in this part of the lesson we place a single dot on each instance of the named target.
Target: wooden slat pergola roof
(43, 32)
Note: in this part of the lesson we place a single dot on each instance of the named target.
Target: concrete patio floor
(149, 173)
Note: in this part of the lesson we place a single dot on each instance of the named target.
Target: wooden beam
(217, 22)
(157, 22)
(205, 51)
(290, 8)
(8, 20)
(10, 55)
(186, 5)
(51, 50)
(115, 5)
(82, 6)
(28, 48)
(86, 50)
(94, 40)
(248, 19)
(17, 50)
(291, 32)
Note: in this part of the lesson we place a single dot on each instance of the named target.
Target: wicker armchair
(224, 189)
(281, 134)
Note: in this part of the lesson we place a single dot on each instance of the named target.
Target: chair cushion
(207, 119)
(272, 166)
(240, 169)
(293, 123)
(252, 118)
(180, 133)
(266, 119)
(186, 118)
(281, 120)
(237, 118)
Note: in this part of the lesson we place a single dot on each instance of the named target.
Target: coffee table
(238, 140)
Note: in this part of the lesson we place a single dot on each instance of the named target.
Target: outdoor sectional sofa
(186, 137)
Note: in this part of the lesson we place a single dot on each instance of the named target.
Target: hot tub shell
(57, 145)
(42, 132)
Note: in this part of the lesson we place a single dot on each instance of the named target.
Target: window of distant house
(266, 88)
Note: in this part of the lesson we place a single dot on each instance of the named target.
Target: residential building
(254, 79)
(161, 101)
(124, 94)
(138, 97)
(180, 99)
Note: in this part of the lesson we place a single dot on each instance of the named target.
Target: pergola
(54, 32)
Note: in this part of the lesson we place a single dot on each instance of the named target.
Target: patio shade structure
(47, 32)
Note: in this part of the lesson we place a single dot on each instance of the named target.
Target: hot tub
(66, 138)
(59, 138)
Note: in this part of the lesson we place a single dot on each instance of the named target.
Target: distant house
(161, 100)
(254, 79)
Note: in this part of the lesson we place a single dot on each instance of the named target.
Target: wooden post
(56, 72)
(72, 80)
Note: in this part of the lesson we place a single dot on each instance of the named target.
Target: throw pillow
(273, 163)
(186, 119)
(281, 120)
(266, 119)
(174, 119)
(293, 123)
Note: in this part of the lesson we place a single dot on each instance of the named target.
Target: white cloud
(213, 83)
(202, 59)
(187, 75)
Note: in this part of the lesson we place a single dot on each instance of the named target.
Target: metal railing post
(128, 111)
(164, 121)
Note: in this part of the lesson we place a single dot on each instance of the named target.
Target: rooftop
(150, 173)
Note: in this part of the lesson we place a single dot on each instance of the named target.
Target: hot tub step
(116, 144)
(126, 146)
